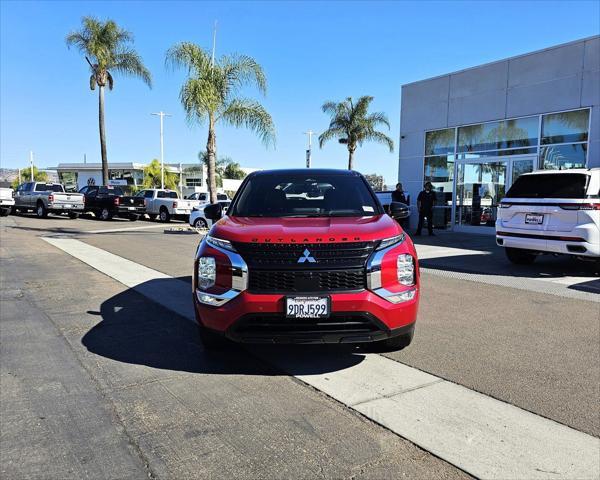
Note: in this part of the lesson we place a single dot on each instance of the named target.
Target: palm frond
(241, 70)
(331, 133)
(110, 80)
(378, 118)
(130, 63)
(93, 81)
(248, 113)
(189, 56)
(377, 137)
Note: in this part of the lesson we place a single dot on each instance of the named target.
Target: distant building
(473, 132)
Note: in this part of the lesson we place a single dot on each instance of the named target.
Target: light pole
(310, 133)
(162, 115)
(31, 163)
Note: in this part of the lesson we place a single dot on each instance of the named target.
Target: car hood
(305, 230)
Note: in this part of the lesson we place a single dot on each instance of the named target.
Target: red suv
(306, 256)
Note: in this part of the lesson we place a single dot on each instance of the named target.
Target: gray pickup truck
(44, 198)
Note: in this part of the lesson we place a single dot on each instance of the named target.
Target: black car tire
(213, 341)
(105, 214)
(392, 344)
(15, 211)
(520, 256)
(73, 215)
(41, 211)
(4, 212)
(200, 223)
(164, 215)
(133, 218)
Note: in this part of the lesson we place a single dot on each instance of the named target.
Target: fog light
(402, 296)
(207, 272)
(406, 269)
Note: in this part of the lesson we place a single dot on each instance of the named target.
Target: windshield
(45, 187)
(549, 185)
(306, 195)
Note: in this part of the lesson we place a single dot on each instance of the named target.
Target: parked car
(108, 201)
(282, 267)
(44, 198)
(6, 201)
(203, 197)
(166, 204)
(198, 218)
(549, 211)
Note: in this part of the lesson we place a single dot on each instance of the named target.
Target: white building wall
(558, 78)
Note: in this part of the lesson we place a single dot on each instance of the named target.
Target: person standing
(425, 204)
(398, 195)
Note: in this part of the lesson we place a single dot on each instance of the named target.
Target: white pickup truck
(6, 201)
(166, 204)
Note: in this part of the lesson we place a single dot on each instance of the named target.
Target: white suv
(551, 211)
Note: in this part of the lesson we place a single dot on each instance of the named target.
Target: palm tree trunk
(211, 151)
(350, 158)
(102, 135)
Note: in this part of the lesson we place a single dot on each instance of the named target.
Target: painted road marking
(117, 230)
(483, 436)
(428, 252)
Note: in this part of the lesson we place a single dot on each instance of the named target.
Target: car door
(149, 200)
(26, 195)
(91, 199)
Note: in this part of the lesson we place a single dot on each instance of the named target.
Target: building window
(440, 142)
(193, 182)
(564, 140)
(439, 170)
(507, 134)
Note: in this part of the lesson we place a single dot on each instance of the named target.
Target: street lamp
(162, 115)
(310, 133)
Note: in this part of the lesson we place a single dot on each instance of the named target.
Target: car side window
(84, 190)
(92, 192)
(161, 194)
(148, 194)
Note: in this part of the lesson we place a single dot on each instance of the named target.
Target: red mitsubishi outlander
(306, 256)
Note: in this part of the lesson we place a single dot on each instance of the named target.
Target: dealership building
(471, 133)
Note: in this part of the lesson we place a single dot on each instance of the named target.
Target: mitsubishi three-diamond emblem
(306, 257)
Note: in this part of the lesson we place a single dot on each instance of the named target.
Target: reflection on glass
(517, 133)
(439, 170)
(519, 167)
(565, 127)
(497, 153)
(440, 142)
(561, 157)
(479, 189)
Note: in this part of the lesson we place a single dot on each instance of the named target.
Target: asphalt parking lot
(99, 380)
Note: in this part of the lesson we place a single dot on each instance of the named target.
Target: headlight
(219, 242)
(406, 269)
(207, 272)
(388, 242)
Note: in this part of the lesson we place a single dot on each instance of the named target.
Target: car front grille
(288, 255)
(305, 281)
(275, 324)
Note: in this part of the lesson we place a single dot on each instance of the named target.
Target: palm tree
(106, 48)
(352, 125)
(211, 92)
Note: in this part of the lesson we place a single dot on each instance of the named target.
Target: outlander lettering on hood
(306, 256)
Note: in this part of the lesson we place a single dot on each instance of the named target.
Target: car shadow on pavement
(138, 331)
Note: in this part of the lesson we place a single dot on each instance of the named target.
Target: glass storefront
(487, 158)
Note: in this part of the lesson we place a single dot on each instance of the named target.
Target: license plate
(534, 218)
(307, 307)
(67, 206)
(131, 208)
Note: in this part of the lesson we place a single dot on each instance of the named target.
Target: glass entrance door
(480, 185)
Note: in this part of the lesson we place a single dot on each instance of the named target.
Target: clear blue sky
(310, 51)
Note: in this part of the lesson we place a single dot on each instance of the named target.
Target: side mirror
(213, 212)
(399, 210)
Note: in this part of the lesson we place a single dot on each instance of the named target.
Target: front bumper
(355, 317)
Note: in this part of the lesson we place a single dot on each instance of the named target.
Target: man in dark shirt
(425, 203)
(398, 194)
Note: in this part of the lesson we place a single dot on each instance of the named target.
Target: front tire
(520, 256)
(4, 212)
(133, 218)
(393, 344)
(41, 210)
(105, 214)
(164, 215)
(73, 215)
(200, 223)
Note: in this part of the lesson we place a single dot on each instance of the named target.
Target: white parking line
(115, 230)
(483, 436)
